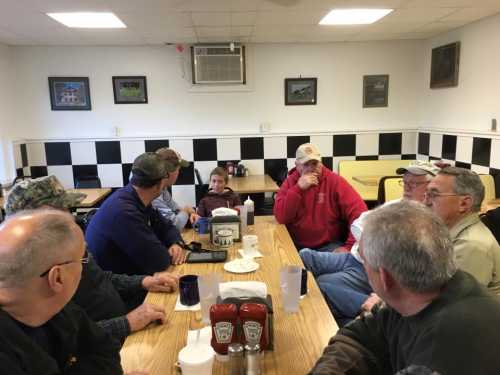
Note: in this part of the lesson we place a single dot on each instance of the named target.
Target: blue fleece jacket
(124, 236)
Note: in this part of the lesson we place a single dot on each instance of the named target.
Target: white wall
(7, 172)
(476, 100)
(176, 109)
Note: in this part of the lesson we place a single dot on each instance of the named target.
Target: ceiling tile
(287, 17)
(450, 3)
(417, 15)
(439, 27)
(471, 14)
(241, 30)
(243, 18)
(150, 20)
(210, 32)
(211, 18)
(278, 5)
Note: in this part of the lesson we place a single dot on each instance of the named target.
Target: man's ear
(55, 279)
(386, 279)
(465, 203)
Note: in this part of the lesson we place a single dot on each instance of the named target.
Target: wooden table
(368, 180)
(299, 339)
(94, 196)
(253, 184)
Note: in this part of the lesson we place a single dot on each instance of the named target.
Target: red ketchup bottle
(253, 318)
(223, 317)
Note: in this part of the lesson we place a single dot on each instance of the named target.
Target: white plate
(241, 266)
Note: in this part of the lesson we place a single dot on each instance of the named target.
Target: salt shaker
(236, 359)
(252, 354)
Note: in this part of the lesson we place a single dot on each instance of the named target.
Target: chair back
(489, 186)
(87, 182)
(389, 188)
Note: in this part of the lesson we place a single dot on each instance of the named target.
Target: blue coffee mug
(201, 225)
(188, 290)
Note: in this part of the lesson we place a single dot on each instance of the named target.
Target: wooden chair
(389, 188)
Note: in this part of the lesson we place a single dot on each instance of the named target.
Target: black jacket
(82, 348)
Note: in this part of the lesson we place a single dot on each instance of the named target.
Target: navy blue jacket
(124, 236)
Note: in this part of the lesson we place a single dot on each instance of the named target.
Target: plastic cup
(243, 217)
(208, 287)
(196, 359)
(250, 244)
(290, 279)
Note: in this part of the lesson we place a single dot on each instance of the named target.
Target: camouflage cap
(150, 166)
(172, 157)
(38, 192)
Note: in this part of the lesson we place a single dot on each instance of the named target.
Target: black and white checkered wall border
(112, 160)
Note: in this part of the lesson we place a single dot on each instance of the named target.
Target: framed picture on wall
(375, 90)
(69, 93)
(300, 91)
(130, 90)
(444, 65)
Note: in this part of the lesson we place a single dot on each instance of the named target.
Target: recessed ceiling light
(354, 16)
(89, 20)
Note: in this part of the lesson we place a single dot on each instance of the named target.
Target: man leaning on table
(317, 205)
(127, 235)
(436, 320)
(455, 195)
(114, 301)
(41, 256)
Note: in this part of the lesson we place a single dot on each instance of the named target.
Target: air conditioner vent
(218, 64)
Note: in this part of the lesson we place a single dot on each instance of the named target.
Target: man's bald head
(33, 241)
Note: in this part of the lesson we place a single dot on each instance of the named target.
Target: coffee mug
(224, 238)
(201, 225)
(188, 290)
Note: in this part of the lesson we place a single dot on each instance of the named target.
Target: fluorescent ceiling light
(354, 16)
(89, 20)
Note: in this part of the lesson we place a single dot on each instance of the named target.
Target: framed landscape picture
(375, 90)
(69, 93)
(444, 65)
(130, 90)
(300, 91)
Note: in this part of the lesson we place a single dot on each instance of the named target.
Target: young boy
(218, 195)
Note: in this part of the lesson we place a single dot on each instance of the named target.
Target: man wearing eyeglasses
(455, 195)
(341, 277)
(113, 301)
(41, 256)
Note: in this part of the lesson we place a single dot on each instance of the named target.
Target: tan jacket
(477, 251)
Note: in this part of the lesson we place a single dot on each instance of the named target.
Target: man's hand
(161, 283)
(193, 217)
(145, 314)
(371, 301)
(341, 249)
(307, 180)
(177, 253)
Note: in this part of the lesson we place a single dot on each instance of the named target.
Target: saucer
(241, 266)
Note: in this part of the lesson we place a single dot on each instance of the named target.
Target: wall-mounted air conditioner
(218, 64)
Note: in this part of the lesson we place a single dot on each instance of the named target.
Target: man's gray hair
(411, 243)
(466, 182)
(44, 246)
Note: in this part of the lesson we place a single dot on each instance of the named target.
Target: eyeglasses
(83, 260)
(434, 194)
(412, 184)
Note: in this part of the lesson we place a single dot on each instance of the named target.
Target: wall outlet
(493, 124)
(117, 131)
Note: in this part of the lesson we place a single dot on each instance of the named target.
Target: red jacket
(320, 214)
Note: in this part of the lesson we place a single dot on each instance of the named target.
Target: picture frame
(301, 91)
(445, 62)
(375, 90)
(130, 89)
(69, 93)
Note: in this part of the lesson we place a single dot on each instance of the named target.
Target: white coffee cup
(250, 244)
(224, 238)
(196, 359)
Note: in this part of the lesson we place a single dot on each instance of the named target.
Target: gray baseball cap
(150, 166)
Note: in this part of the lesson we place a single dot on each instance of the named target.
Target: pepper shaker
(236, 359)
(252, 354)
